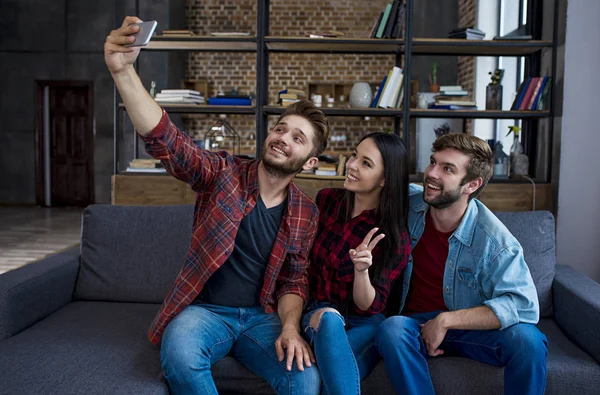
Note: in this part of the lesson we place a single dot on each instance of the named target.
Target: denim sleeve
(509, 288)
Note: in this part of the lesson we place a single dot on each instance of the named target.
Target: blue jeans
(344, 355)
(202, 334)
(521, 349)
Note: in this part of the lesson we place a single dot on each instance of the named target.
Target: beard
(290, 166)
(444, 199)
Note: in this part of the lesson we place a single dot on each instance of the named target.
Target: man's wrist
(291, 327)
(445, 320)
(124, 73)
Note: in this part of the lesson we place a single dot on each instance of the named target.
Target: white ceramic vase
(361, 95)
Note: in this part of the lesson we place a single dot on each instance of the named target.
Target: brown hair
(317, 119)
(481, 162)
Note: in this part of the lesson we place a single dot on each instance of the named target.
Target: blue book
(522, 91)
(376, 99)
(451, 107)
(229, 101)
(537, 98)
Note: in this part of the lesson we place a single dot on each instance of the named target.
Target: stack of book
(390, 92)
(179, 96)
(469, 33)
(390, 20)
(326, 169)
(177, 33)
(452, 97)
(288, 96)
(145, 166)
(533, 94)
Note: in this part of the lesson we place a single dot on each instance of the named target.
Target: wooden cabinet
(154, 190)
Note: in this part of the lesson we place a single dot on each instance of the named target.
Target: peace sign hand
(361, 256)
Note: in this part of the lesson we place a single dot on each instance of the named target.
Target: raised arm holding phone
(242, 286)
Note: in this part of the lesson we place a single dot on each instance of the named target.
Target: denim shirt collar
(466, 229)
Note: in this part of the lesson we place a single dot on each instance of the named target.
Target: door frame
(40, 140)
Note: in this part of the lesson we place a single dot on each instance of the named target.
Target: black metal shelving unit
(403, 50)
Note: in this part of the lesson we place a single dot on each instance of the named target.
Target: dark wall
(63, 40)
(434, 19)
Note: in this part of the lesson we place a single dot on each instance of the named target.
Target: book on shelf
(319, 172)
(288, 96)
(230, 34)
(455, 102)
(138, 170)
(452, 107)
(453, 90)
(532, 94)
(179, 99)
(469, 33)
(389, 22)
(178, 33)
(145, 164)
(327, 34)
(180, 92)
(391, 90)
(230, 101)
(341, 167)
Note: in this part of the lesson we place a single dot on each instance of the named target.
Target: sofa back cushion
(132, 253)
(535, 232)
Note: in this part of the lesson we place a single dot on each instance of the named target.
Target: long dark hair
(392, 213)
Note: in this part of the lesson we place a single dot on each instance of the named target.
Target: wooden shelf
(333, 45)
(478, 114)
(345, 111)
(202, 109)
(448, 46)
(202, 43)
(317, 177)
(161, 189)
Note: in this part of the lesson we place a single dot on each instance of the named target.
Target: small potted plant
(493, 92)
(434, 86)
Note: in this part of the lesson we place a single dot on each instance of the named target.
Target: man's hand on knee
(293, 344)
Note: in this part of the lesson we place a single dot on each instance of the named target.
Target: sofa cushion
(570, 370)
(85, 348)
(101, 348)
(132, 253)
(535, 232)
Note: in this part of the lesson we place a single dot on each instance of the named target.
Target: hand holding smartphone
(142, 37)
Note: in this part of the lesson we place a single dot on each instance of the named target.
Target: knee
(525, 340)
(395, 330)
(326, 316)
(300, 383)
(176, 355)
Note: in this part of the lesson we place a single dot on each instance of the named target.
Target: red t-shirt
(426, 292)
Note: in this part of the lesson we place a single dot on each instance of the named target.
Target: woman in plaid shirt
(361, 247)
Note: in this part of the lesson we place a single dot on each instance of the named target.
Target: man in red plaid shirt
(243, 283)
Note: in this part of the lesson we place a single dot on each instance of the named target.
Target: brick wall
(230, 70)
(467, 16)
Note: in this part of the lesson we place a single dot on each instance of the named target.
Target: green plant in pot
(434, 86)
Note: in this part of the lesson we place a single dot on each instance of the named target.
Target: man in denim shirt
(466, 290)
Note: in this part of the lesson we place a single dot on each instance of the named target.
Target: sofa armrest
(577, 308)
(36, 290)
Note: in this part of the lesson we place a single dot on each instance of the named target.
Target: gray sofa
(76, 322)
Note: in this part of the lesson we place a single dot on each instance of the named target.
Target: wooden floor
(28, 234)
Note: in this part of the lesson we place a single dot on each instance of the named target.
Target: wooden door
(65, 143)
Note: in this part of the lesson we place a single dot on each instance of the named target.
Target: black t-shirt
(239, 281)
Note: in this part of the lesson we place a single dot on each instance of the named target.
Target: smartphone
(142, 37)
